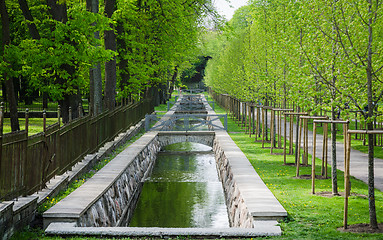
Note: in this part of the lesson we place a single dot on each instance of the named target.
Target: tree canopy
(319, 55)
(53, 44)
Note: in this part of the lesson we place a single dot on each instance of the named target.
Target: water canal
(183, 190)
(183, 196)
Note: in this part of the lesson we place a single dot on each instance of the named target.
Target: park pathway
(358, 161)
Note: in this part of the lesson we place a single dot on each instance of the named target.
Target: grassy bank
(310, 216)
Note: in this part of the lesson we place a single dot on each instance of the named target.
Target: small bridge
(189, 113)
(185, 122)
(190, 105)
(203, 137)
(191, 91)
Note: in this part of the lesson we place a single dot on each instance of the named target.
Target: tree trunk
(28, 16)
(15, 126)
(297, 137)
(173, 81)
(369, 72)
(163, 93)
(334, 175)
(57, 11)
(110, 66)
(70, 102)
(156, 96)
(95, 78)
(11, 96)
(45, 100)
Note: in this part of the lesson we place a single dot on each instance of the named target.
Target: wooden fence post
(44, 121)
(70, 114)
(284, 139)
(27, 120)
(291, 135)
(59, 114)
(80, 110)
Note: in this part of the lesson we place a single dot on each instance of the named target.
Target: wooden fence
(28, 162)
(235, 107)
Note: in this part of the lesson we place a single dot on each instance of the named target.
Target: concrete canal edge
(96, 206)
(266, 228)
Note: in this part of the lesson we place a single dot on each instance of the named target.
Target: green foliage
(196, 72)
(153, 37)
(161, 36)
(312, 53)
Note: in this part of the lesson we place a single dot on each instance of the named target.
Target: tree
(361, 41)
(7, 76)
(95, 78)
(153, 37)
(331, 56)
(110, 66)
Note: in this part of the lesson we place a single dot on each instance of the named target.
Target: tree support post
(347, 164)
(325, 122)
(305, 130)
(289, 114)
(264, 126)
(276, 121)
(313, 159)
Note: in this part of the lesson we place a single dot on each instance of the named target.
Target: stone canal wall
(110, 195)
(239, 215)
(118, 202)
(249, 201)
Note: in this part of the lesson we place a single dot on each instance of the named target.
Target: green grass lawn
(37, 105)
(35, 125)
(309, 216)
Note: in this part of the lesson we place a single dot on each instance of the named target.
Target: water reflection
(183, 191)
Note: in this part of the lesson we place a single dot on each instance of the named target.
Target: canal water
(183, 191)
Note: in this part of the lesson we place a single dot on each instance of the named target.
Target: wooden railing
(28, 162)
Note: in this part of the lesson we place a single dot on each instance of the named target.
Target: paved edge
(262, 206)
(261, 229)
(76, 203)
